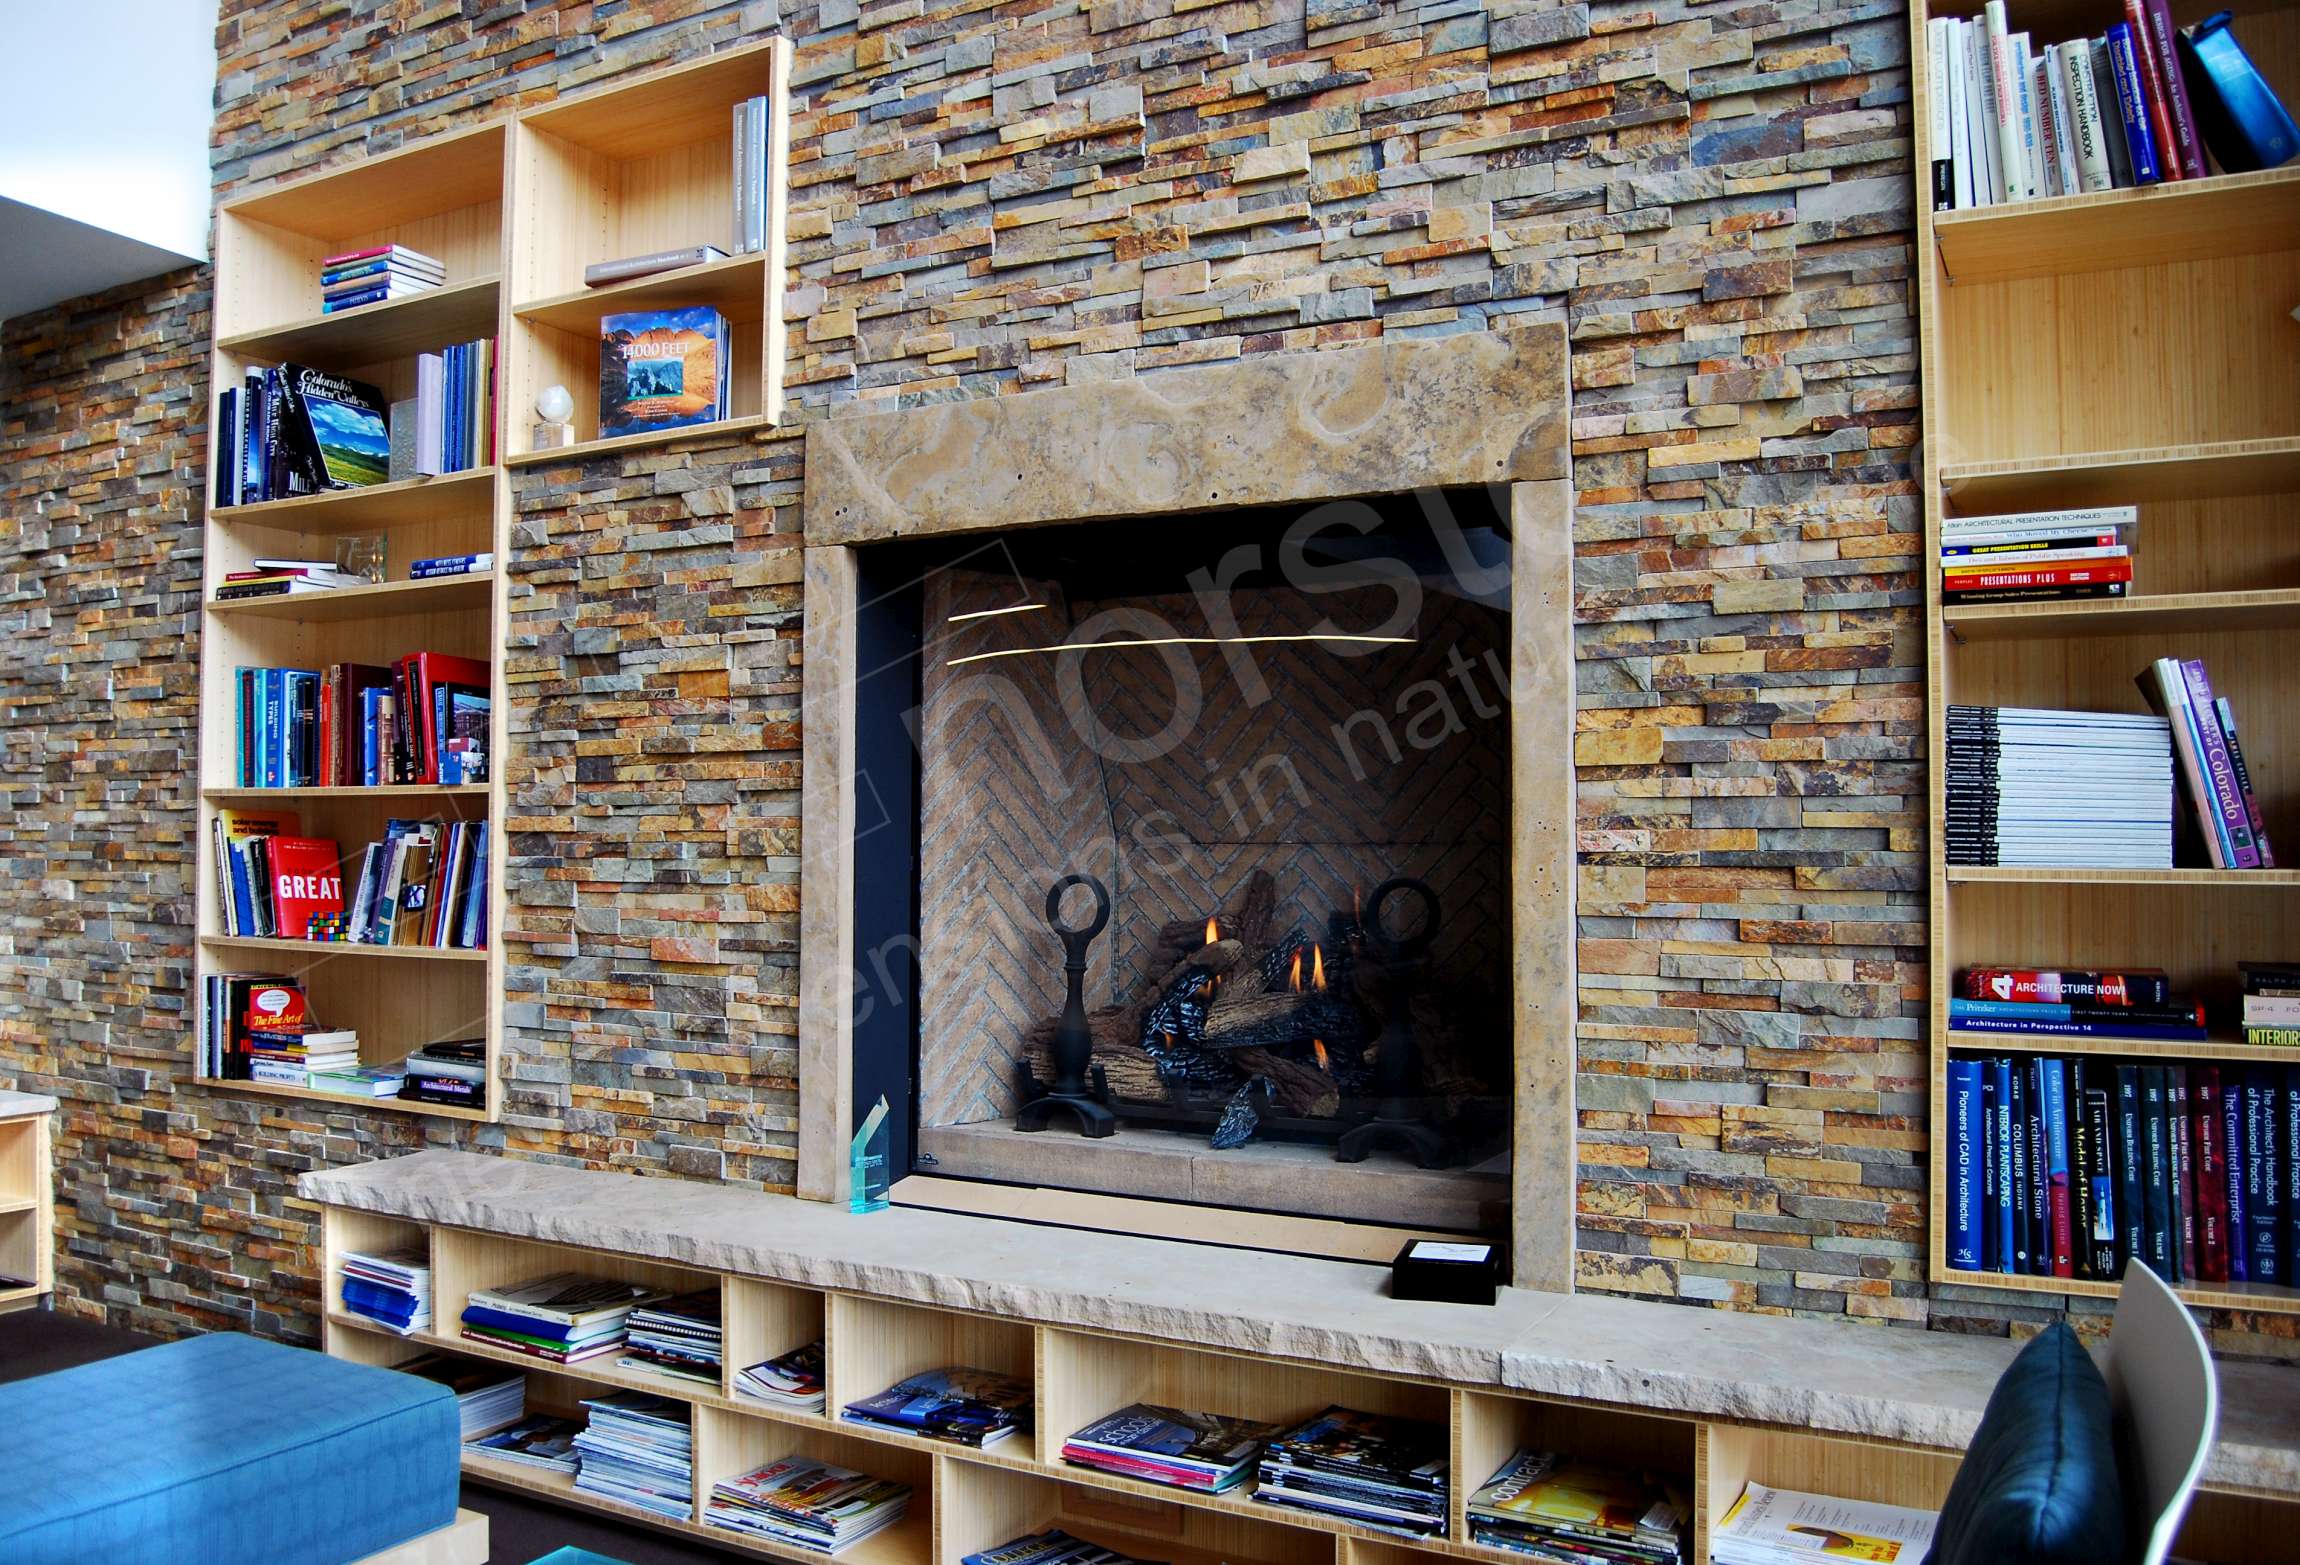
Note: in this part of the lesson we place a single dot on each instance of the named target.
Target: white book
(742, 217)
(2024, 97)
(2075, 519)
(2022, 560)
(757, 165)
(430, 414)
(1937, 119)
(2064, 133)
(2005, 71)
(2087, 131)
(1981, 117)
(1783, 1527)
(1961, 171)
(2047, 128)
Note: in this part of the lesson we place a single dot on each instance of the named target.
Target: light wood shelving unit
(2122, 347)
(514, 209)
(27, 1201)
(969, 1500)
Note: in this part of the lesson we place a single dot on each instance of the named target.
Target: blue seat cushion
(2040, 1484)
(223, 1447)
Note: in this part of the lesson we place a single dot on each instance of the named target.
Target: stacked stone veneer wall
(987, 198)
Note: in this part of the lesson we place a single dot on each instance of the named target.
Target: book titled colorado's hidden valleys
(662, 369)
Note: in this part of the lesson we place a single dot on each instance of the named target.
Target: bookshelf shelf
(376, 508)
(440, 595)
(2211, 470)
(455, 312)
(2166, 614)
(2127, 347)
(266, 1089)
(325, 950)
(735, 287)
(2063, 236)
(590, 448)
(383, 791)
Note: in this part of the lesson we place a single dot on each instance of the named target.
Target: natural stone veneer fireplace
(1277, 655)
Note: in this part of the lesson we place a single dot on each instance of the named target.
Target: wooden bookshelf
(513, 209)
(2122, 347)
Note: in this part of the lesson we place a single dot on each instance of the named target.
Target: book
(2287, 1141)
(2060, 1200)
(1376, 1469)
(2252, 813)
(808, 1504)
(2211, 1156)
(2264, 1175)
(2051, 133)
(1939, 31)
(2238, 115)
(961, 1405)
(1968, 1134)
(2165, 687)
(2178, 1129)
(2039, 787)
(2088, 128)
(1767, 1526)
(2022, 96)
(338, 427)
(2135, 987)
(2004, 104)
(542, 1440)
(2151, 71)
(488, 1397)
(307, 882)
(680, 1337)
(2233, 825)
(1981, 116)
(2132, 105)
(1539, 1503)
(2163, 53)
(1166, 1445)
(2100, 1136)
(630, 267)
(2156, 1177)
(662, 369)
(1998, 1086)
(2131, 1176)
(793, 1379)
(568, 1299)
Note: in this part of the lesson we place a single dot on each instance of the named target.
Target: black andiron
(1073, 1042)
(1397, 1070)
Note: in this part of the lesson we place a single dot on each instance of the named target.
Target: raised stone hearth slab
(1381, 418)
(1868, 1382)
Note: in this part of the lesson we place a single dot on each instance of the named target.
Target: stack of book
(292, 1056)
(2071, 1167)
(2139, 104)
(680, 1337)
(375, 274)
(807, 1504)
(793, 1380)
(453, 1072)
(2034, 787)
(1170, 1446)
(2139, 1004)
(1540, 1504)
(424, 884)
(2216, 783)
(1767, 1526)
(1051, 1547)
(292, 430)
(1371, 1468)
(963, 1406)
(639, 1448)
(360, 724)
(754, 147)
(488, 1397)
(274, 578)
(233, 1006)
(450, 565)
(360, 1081)
(448, 426)
(390, 1287)
(539, 1440)
(2272, 1009)
(2038, 555)
(564, 1318)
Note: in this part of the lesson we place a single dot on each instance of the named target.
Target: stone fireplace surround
(1388, 417)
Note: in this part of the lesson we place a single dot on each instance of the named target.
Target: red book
(2190, 145)
(425, 672)
(2141, 986)
(2035, 576)
(307, 878)
(2153, 67)
(2211, 1174)
(356, 255)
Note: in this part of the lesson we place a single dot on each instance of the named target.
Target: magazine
(539, 1440)
(1784, 1527)
(1536, 1503)
(974, 1407)
(1170, 1446)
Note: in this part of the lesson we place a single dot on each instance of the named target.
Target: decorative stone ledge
(1380, 418)
(1862, 1382)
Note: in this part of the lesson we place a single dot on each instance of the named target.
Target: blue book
(451, 387)
(525, 1325)
(2007, 1249)
(2058, 1257)
(275, 726)
(2132, 106)
(243, 890)
(2264, 1174)
(2233, 1160)
(2159, 1032)
(2237, 113)
(362, 1297)
(1967, 1151)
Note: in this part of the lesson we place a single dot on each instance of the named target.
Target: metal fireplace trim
(1378, 418)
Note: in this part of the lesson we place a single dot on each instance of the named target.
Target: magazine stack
(794, 1380)
(543, 1441)
(1552, 1509)
(487, 1396)
(678, 1337)
(639, 1448)
(1052, 1547)
(1783, 1527)
(1370, 1468)
(963, 1406)
(564, 1318)
(807, 1504)
(390, 1287)
(1169, 1446)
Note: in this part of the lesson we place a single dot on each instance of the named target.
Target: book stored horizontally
(962, 1405)
(1768, 1526)
(1543, 1504)
(1171, 1446)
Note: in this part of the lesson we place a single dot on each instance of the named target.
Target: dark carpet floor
(520, 1529)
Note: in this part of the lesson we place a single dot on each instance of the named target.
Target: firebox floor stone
(1277, 1176)
(1860, 1381)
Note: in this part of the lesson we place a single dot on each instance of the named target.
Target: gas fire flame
(1319, 1044)
(1317, 967)
(1294, 974)
(1213, 929)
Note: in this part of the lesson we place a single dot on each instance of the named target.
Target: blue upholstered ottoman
(223, 1449)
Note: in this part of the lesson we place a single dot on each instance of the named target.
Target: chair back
(2166, 1401)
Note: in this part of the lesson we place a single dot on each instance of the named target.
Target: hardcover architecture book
(662, 369)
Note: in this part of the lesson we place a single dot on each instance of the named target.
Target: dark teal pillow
(2040, 1485)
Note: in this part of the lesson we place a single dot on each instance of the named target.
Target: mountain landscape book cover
(340, 427)
(662, 369)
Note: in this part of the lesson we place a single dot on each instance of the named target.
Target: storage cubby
(1490, 1428)
(982, 1509)
(764, 1320)
(728, 1445)
(1814, 1464)
(366, 1233)
(442, 196)
(462, 1261)
(874, 1343)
